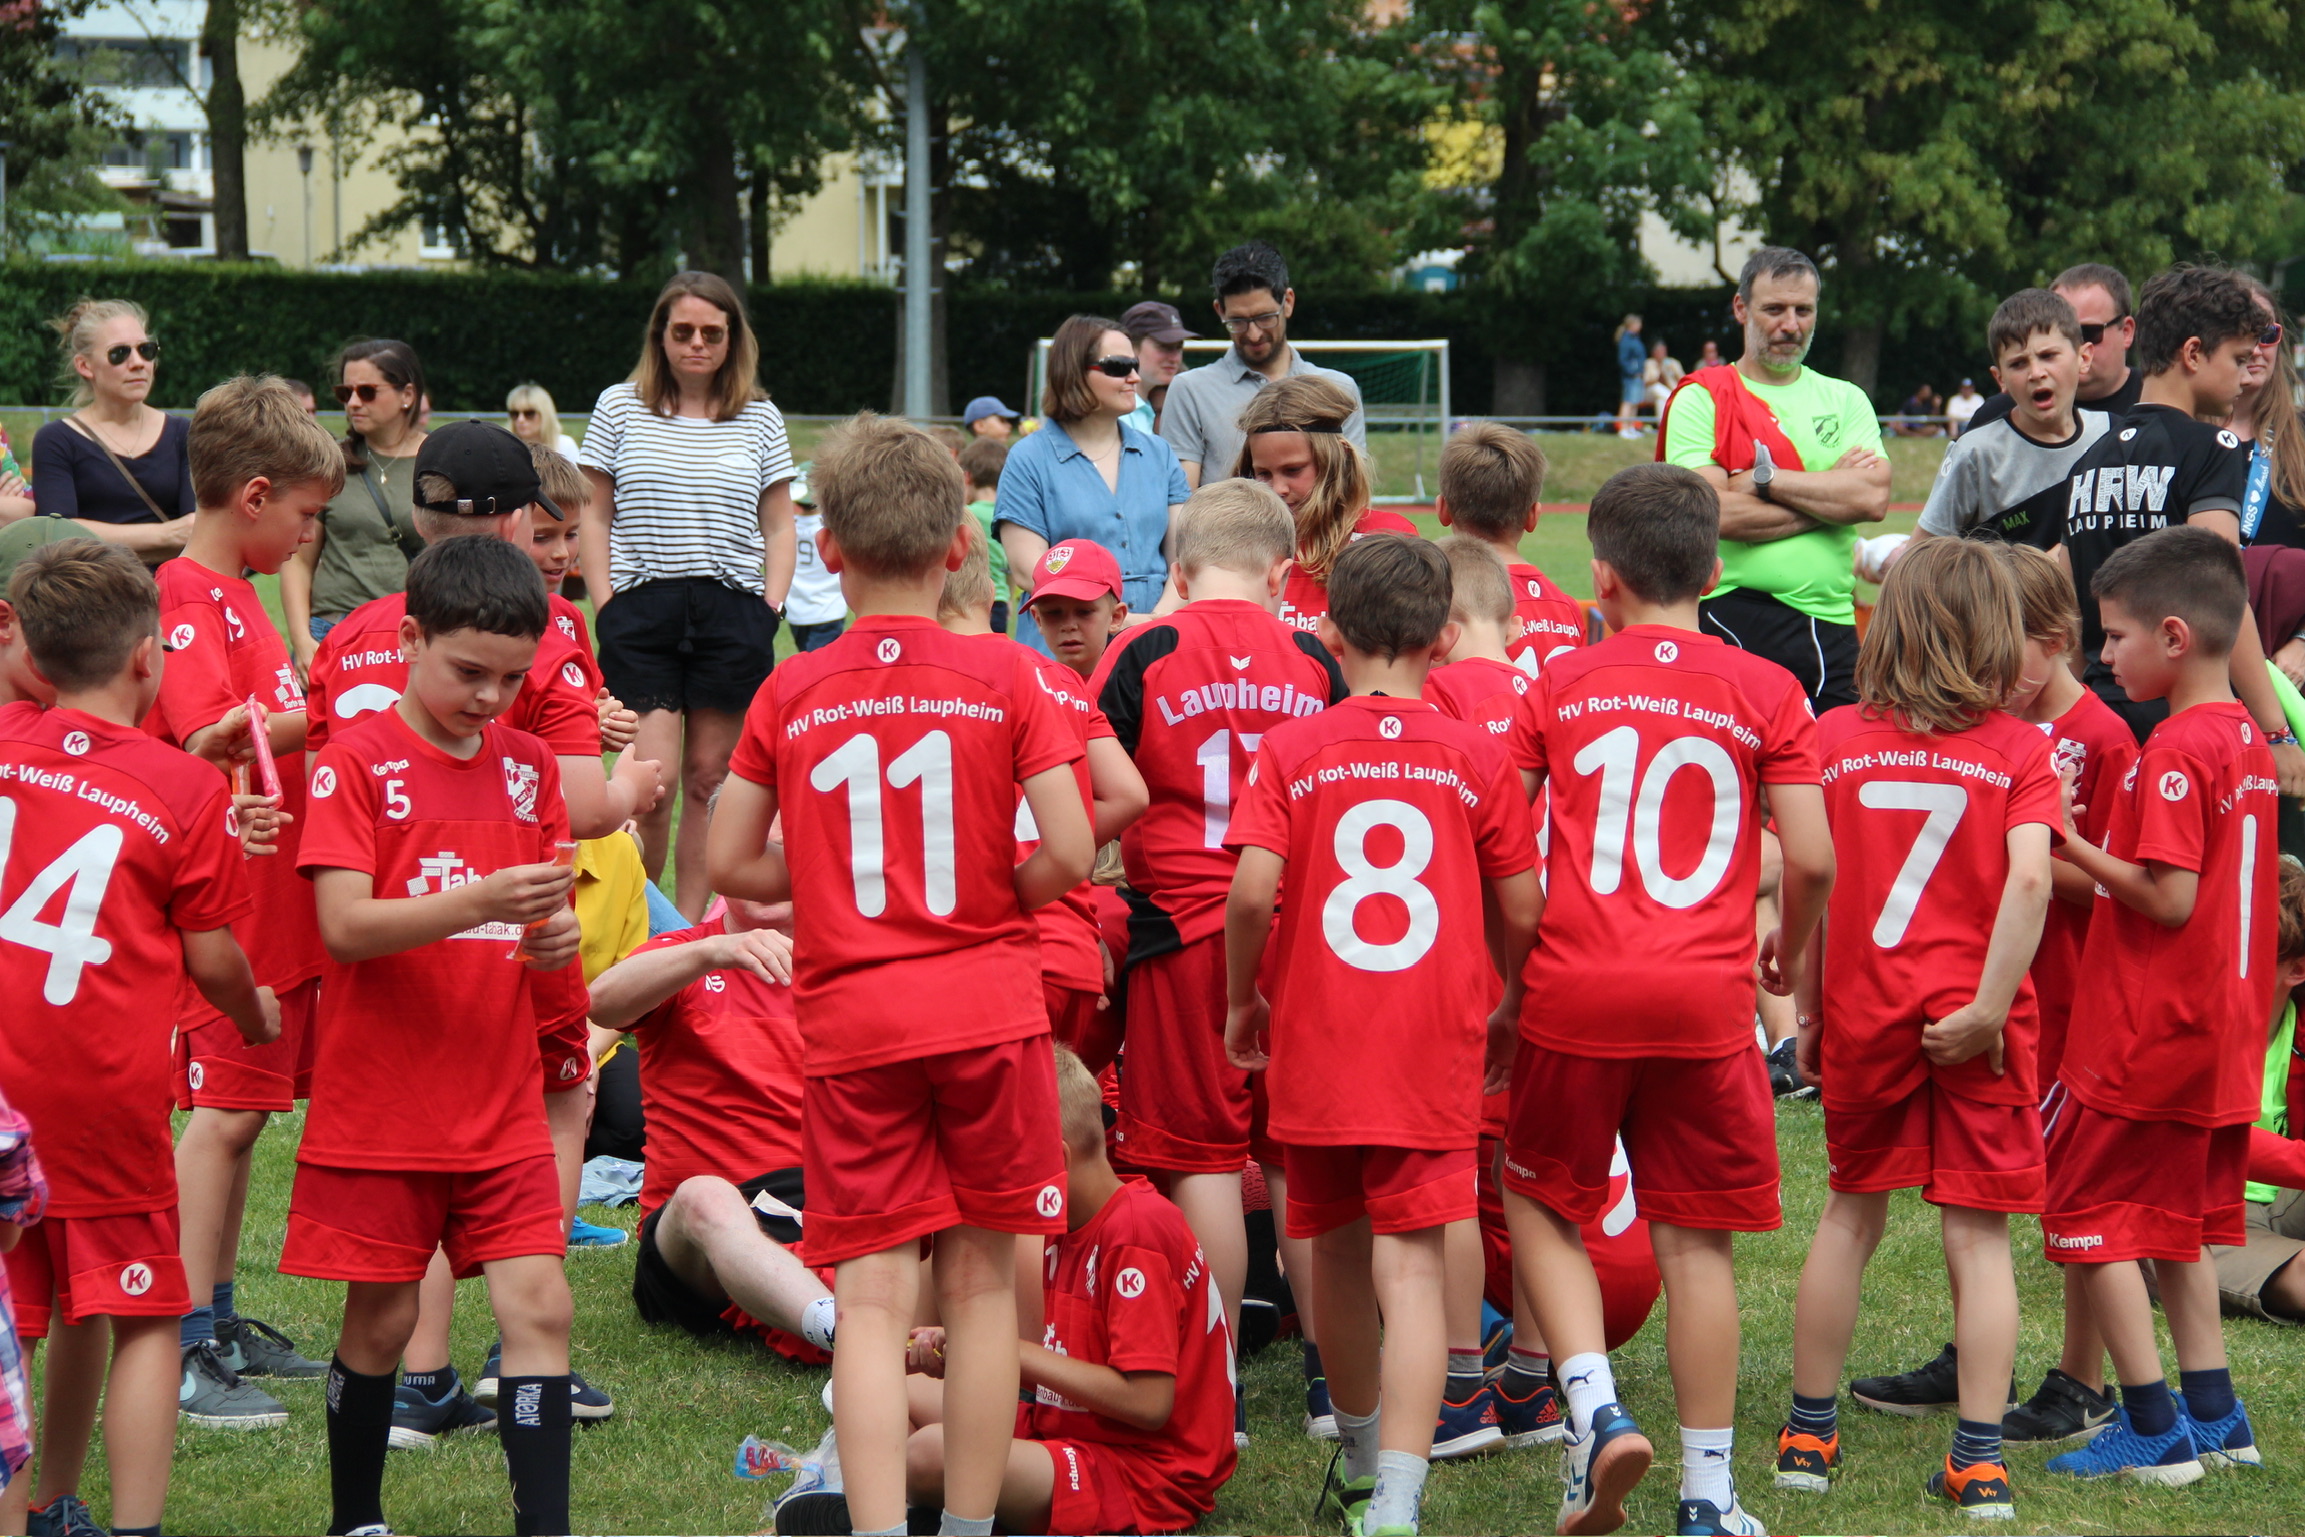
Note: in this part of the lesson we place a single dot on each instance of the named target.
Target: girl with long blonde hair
(1293, 440)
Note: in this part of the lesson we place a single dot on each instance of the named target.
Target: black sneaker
(1931, 1389)
(254, 1348)
(2065, 1409)
(64, 1516)
(1784, 1074)
(419, 1422)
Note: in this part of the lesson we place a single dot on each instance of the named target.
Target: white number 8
(1364, 880)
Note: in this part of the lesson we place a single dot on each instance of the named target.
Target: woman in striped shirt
(691, 561)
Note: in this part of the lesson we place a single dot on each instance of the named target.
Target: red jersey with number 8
(895, 753)
(1654, 745)
(1920, 844)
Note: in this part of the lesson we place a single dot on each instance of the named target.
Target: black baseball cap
(491, 469)
(1154, 321)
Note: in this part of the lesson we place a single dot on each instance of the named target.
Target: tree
(226, 105)
(55, 125)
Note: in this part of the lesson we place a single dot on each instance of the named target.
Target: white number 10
(927, 763)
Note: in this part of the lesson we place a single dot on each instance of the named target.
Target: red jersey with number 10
(1551, 621)
(895, 754)
(1654, 745)
(1391, 817)
(1920, 843)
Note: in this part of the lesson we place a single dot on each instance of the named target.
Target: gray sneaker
(254, 1348)
(211, 1395)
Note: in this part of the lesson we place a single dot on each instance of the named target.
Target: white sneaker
(1602, 1466)
(1702, 1518)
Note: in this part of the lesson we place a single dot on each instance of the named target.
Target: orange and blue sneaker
(1530, 1421)
(1467, 1428)
(1806, 1462)
(1980, 1491)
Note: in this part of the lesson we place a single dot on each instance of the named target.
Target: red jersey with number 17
(1921, 828)
(1551, 621)
(1654, 745)
(1391, 817)
(895, 753)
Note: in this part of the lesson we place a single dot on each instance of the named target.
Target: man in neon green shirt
(1788, 535)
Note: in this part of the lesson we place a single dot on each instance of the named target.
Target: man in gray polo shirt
(1201, 418)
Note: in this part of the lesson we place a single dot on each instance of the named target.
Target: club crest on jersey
(76, 743)
(714, 982)
(180, 637)
(232, 623)
(2174, 786)
(1129, 1283)
(2129, 780)
(888, 650)
(567, 626)
(136, 1278)
(1389, 727)
(1059, 558)
(1668, 651)
(323, 782)
(572, 675)
(520, 784)
(2069, 754)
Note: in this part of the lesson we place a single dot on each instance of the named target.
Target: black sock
(532, 1416)
(434, 1385)
(359, 1430)
(137, 1531)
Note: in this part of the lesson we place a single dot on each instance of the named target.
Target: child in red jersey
(431, 849)
(1491, 478)
(895, 755)
(1395, 827)
(1479, 684)
(2146, 1157)
(1077, 601)
(140, 840)
(1658, 745)
(1130, 1424)
(1190, 695)
(1924, 1039)
(262, 469)
(1293, 443)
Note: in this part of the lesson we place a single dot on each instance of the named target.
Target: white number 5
(1945, 805)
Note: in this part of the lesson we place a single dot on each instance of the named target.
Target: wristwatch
(1764, 470)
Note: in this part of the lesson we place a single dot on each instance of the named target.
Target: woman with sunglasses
(117, 465)
(692, 554)
(367, 535)
(1087, 474)
(533, 417)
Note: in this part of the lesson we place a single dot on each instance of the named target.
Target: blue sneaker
(1703, 1518)
(1496, 1340)
(1603, 1466)
(66, 1515)
(2167, 1459)
(1469, 1428)
(1530, 1421)
(1320, 1414)
(591, 1235)
(2227, 1442)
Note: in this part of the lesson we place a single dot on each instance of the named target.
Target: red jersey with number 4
(895, 754)
(1478, 691)
(427, 1057)
(360, 669)
(1190, 697)
(1921, 830)
(1654, 745)
(1070, 953)
(112, 846)
(2169, 1023)
(1551, 621)
(2098, 747)
(719, 1076)
(1306, 598)
(1391, 817)
(1130, 1289)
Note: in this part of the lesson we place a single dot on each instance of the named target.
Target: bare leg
(140, 1417)
(1461, 1299)
(1825, 1309)
(975, 1285)
(1027, 1487)
(2189, 1300)
(379, 1317)
(1211, 1204)
(876, 1298)
(568, 1115)
(1031, 1316)
(2083, 1357)
(435, 1310)
(1351, 1334)
(708, 1237)
(1552, 1269)
(2124, 1313)
(211, 1194)
(529, 1294)
(74, 1384)
(658, 737)
(712, 737)
(1700, 1322)
(1409, 1270)
(1985, 1317)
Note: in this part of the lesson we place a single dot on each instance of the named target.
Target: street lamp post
(304, 169)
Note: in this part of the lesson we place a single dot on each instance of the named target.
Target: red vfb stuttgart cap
(1077, 568)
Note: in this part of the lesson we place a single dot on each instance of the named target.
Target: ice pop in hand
(563, 855)
(267, 771)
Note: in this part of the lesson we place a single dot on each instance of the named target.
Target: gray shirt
(1996, 477)
(1201, 417)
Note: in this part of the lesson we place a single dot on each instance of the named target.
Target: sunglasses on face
(525, 411)
(2270, 336)
(147, 350)
(682, 333)
(366, 392)
(1118, 367)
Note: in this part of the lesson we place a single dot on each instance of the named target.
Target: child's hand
(763, 952)
(1104, 958)
(1774, 976)
(1806, 1059)
(618, 725)
(260, 819)
(924, 1352)
(1245, 1025)
(1962, 1034)
(645, 775)
(1504, 1041)
(267, 1019)
(551, 944)
(226, 743)
(2068, 809)
(526, 894)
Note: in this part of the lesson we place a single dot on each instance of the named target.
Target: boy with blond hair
(1491, 478)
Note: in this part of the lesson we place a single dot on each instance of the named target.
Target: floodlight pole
(917, 277)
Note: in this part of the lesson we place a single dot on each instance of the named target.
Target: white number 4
(1945, 805)
(71, 941)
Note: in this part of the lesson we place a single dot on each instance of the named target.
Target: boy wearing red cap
(1076, 600)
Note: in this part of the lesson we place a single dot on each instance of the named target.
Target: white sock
(1706, 1470)
(1587, 1383)
(1400, 1490)
(816, 1323)
(1357, 1433)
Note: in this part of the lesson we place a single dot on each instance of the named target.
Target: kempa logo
(1129, 1283)
(888, 650)
(1051, 1201)
(2084, 1241)
(136, 1279)
(76, 743)
(2174, 786)
(323, 782)
(1667, 651)
(1389, 728)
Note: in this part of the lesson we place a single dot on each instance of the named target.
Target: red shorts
(383, 1224)
(894, 1153)
(1957, 1151)
(1184, 1107)
(2127, 1190)
(216, 1068)
(1700, 1133)
(1399, 1189)
(566, 1050)
(1088, 1493)
(1081, 1023)
(98, 1267)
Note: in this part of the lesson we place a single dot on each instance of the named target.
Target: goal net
(1404, 389)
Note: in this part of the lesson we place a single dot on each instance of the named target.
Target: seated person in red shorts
(2147, 1159)
(720, 1086)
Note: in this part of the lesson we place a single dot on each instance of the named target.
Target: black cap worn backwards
(490, 468)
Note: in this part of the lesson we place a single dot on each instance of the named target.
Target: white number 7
(1945, 805)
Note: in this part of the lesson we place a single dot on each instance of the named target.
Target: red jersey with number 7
(895, 754)
(1921, 828)
(1391, 817)
(1654, 744)
(1190, 696)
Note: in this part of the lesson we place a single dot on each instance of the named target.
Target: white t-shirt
(816, 597)
(1960, 408)
(687, 490)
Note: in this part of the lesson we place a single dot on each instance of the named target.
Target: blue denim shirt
(1052, 488)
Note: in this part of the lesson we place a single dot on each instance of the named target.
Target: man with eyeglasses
(1201, 417)
(2100, 297)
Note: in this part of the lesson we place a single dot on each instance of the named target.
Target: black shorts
(662, 1297)
(1821, 655)
(688, 643)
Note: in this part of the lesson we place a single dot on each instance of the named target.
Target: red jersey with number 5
(895, 754)
(2169, 1023)
(1391, 817)
(1654, 745)
(112, 846)
(2097, 746)
(1921, 830)
(1190, 696)
(1551, 621)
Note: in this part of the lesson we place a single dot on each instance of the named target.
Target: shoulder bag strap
(403, 534)
(133, 483)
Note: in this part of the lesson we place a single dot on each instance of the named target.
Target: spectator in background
(2100, 296)
(1160, 336)
(367, 534)
(980, 465)
(1201, 418)
(1920, 412)
(815, 611)
(304, 396)
(1629, 387)
(1088, 474)
(988, 416)
(117, 466)
(1709, 356)
(1964, 405)
(1659, 375)
(692, 559)
(535, 419)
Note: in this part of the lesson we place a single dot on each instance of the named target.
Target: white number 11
(927, 763)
